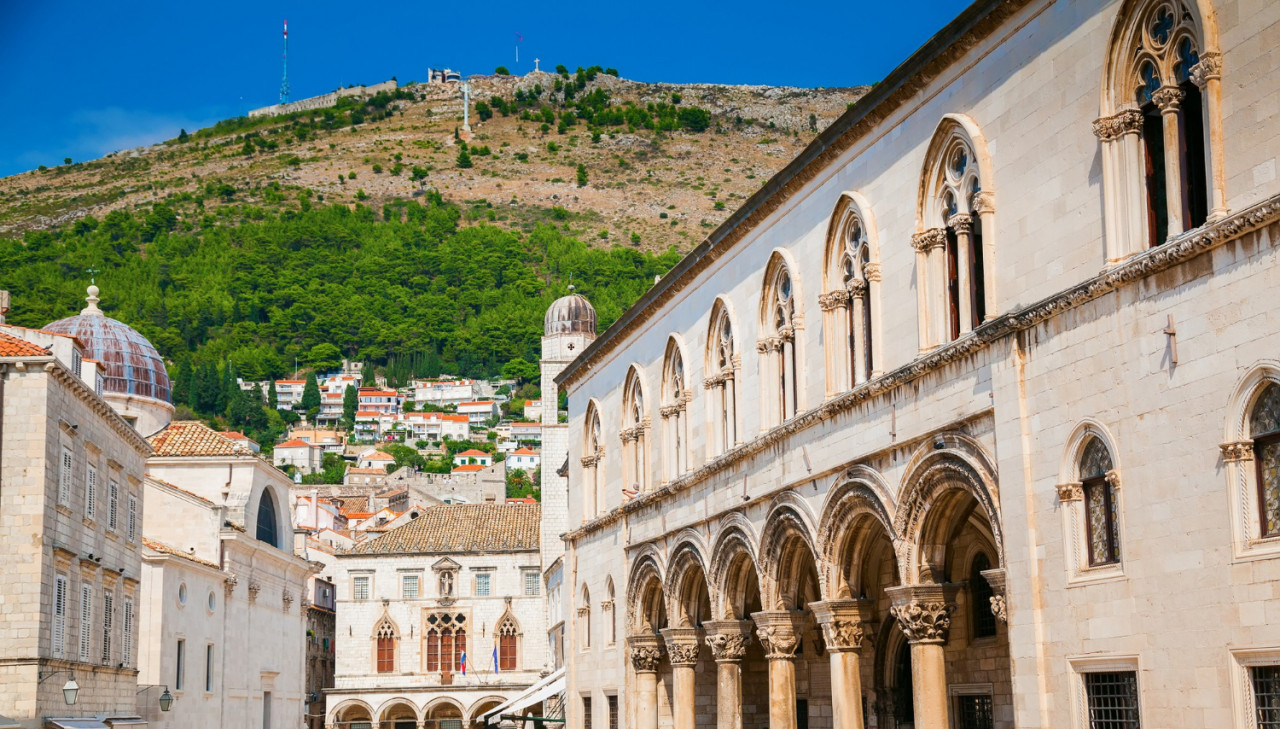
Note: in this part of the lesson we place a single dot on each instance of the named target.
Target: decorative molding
(1136, 268)
(927, 240)
(1168, 98)
(999, 609)
(779, 633)
(729, 640)
(1208, 69)
(1113, 479)
(229, 583)
(924, 622)
(682, 645)
(1241, 450)
(645, 652)
(984, 202)
(1108, 128)
(872, 272)
(962, 222)
(841, 622)
(1073, 491)
(833, 300)
(254, 588)
(287, 598)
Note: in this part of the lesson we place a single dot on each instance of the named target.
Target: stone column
(920, 242)
(728, 641)
(1207, 74)
(857, 321)
(836, 320)
(787, 368)
(872, 272)
(646, 656)
(962, 224)
(779, 632)
(682, 650)
(924, 614)
(842, 631)
(1169, 99)
(771, 410)
(730, 392)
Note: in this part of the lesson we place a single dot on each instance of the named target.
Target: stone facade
(982, 443)
(70, 517)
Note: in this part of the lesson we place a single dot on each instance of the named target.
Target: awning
(89, 723)
(7, 723)
(549, 686)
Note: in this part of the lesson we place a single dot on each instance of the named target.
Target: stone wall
(324, 100)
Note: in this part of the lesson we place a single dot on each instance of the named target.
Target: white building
(526, 432)
(473, 457)
(478, 411)
(525, 459)
(289, 393)
(460, 580)
(533, 410)
(223, 625)
(304, 456)
(374, 458)
(445, 392)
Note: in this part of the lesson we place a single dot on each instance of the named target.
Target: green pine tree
(349, 401)
(273, 398)
(310, 393)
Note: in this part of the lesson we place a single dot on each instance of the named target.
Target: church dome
(133, 366)
(570, 314)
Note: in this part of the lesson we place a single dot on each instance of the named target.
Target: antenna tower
(284, 82)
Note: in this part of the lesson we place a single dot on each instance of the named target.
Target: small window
(974, 712)
(179, 672)
(1266, 695)
(409, 587)
(984, 621)
(59, 616)
(208, 668)
(586, 712)
(113, 505)
(1113, 700)
(64, 478)
(530, 582)
(108, 612)
(1264, 428)
(90, 492)
(613, 710)
(482, 584)
(360, 588)
(1101, 524)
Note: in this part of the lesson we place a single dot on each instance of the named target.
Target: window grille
(360, 588)
(1266, 696)
(1113, 700)
(530, 583)
(586, 712)
(613, 711)
(482, 585)
(975, 712)
(410, 587)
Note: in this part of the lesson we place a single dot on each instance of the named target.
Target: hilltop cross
(535, 63)
(93, 272)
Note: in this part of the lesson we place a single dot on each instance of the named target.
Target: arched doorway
(398, 714)
(357, 715)
(443, 714)
(651, 676)
(688, 653)
(741, 667)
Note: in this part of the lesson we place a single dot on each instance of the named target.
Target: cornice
(927, 64)
(54, 367)
(1143, 265)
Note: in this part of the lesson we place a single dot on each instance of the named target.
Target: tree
(813, 122)
(350, 398)
(464, 159)
(501, 71)
(483, 111)
(519, 369)
(182, 135)
(273, 398)
(582, 175)
(325, 357)
(66, 160)
(694, 118)
(310, 393)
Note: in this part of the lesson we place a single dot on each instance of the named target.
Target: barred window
(360, 588)
(482, 584)
(530, 582)
(1266, 695)
(613, 711)
(1113, 700)
(586, 712)
(409, 589)
(974, 712)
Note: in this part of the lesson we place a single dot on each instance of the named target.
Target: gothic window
(1102, 532)
(446, 642)
(847, 303)
(592, 463)
(984, 621)
(955, 246)
(267, 519)
(507, 655)
(386, 647)
(675, 416)
(611, 615)
(1264, 429)
(778, 346)
(1161, 84)
(720, 382)
(584, 619)
(635, 422)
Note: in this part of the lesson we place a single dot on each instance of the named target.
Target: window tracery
(592, 463)
(635, 426)
(385, 639)
(779, 363)
(721, 382)
(508, 632)
(1264, 429)
(848, 304)
(674, 412)
(445, 635)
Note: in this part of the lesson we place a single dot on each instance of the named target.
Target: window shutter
(126, 645)
(91, 492)
(86, 622)
(59, 616)
(133, 518)
(64, 478)
(108, 605)
(113, 503)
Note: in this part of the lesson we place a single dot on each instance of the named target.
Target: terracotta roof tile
(368, 471)
(11, 346)
(524, 452)
(463, 528)
(166, 549)
(295, 443)
(189, 438)
(474, 452)
(378, 456)
(468, 469)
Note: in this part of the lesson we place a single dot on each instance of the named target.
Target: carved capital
(254, 587)
(779, 633)
(1113, 479)
(923, 611)
(728, 639)
(928, 240)
(998, 608)
(842, 623)
(286, 597)
(645, 652)
(857, 287)
(984, 202)
(1073, 491)
(229, 583)
(962, 223)
(1208, 69)
(833, 300)
(1238, 451)
(872, 272)
(996, 579)
(1108, 128)
(682, 645)
(1168, 98)
(590, 461)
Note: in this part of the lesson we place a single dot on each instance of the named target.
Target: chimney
(4, 305)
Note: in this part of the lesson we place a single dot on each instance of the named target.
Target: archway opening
(399, 715)
(353, 717)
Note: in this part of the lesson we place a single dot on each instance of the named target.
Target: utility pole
(284, 82)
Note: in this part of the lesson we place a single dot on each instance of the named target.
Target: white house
(526, 432)
(374, 458)
(533, 410)
(473, 457)
(300, 454)
(439, 620)
(289, 393)
(444, 392)
(525, 459)
(478, 411)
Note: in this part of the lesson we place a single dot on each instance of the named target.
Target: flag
(495, 659)
(519, 38)
(463, 661)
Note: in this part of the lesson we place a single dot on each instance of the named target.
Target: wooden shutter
(59, 616)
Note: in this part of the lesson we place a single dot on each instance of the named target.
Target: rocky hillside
(574, 147)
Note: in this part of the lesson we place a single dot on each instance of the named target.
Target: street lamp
(70, 689)
(166, 698)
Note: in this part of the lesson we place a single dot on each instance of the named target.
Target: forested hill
(402, 287)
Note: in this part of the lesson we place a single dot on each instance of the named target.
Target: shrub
(582, 175)
(501, 71)
(377, 168)
(361, 194)
(483, 111)
(464, 159)
(635, 237)
(719, 205)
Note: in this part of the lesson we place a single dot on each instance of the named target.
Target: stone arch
(636, 422)
(787, 550)
(850, 203)
(686, 586)
(850, 301)
(722, 377)
(944, 478)
(854, 513)
(952, 130)
(392, 703)
(1247, 390)
(733, 572)
(675, 393)
(1069, 468)
(440, 703)
(480, 707)
(343, 709)
(593, 450)
(646, 598)
(1242, 456)
(782, 258)
(780, 340)
(1116, 91)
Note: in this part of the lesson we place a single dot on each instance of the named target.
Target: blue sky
(82, 79)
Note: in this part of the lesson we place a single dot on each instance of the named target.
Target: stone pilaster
(779, 632)
(842, 623)
(728, 640)
(683, 646)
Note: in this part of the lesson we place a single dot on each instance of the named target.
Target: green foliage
(582, 175)
(332, 469)
(520, 369)
(501, 71)
(350, 399)
(325, 356)
(273, 398)
(464, 158)
(310, 395)
(520, 484)
(483, 111)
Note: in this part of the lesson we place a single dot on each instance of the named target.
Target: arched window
(955, 249)
(507, 633)
(721, 382)
(267, 531)
(446, 642)
(584, 619)
(1161, 95)
(1264, 429)
(593, 501)
(848, 304)
(611, 613)
(779, 320)
(635, 424)
(1102, 529)
(984, 621)
(674, 411)
(386, 647)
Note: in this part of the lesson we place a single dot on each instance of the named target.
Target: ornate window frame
(1237, 453)
(1243, 660)
(593, 497)
(850, 301)
(1071, 505)
(584, 620)
(780, 343)
(636, 424)
(722, 370)
(674, 411)
(955, 224)
(1085, 664)
(385, 622)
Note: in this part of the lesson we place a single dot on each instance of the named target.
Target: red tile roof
(378, 456)
(476, 402)
(166, 549)
(367, 471)
(460, 528)
(190, 438)
(475, 452)
(11, 346)
(291, 382)
(524, 452)
(468, 469)
(295, 443)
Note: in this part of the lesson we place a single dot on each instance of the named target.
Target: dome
(133, 366)
(570, 314)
